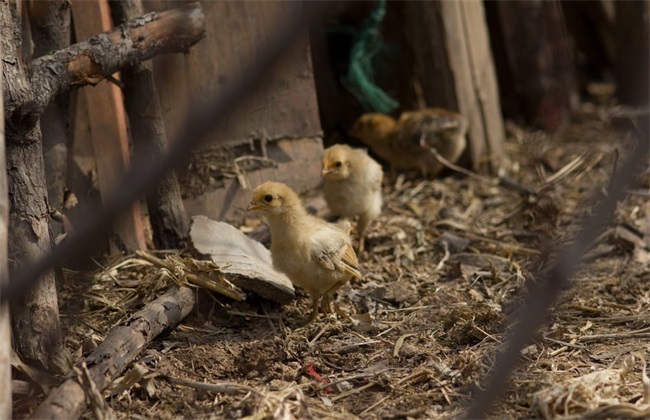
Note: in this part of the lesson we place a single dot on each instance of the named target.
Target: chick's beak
(253, 206)
(325, 171)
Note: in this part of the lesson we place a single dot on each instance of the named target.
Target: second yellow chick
(352, 185)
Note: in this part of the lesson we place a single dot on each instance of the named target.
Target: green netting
(359, 80)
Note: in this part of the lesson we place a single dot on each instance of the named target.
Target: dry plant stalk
(595, 395)
(204, 274)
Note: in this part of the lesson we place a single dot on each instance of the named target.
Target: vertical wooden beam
(108, 126)
(34, 316)
(485, 99)
(453, 63)
(461, 69)
(5, 328)
(50, 30)
(169, 222)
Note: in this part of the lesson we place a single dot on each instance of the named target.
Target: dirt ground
(444, 267)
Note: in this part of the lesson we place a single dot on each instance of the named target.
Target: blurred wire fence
(144, 175)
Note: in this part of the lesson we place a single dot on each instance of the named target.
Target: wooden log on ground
(121, 346)
(246, 262)
(5, 326)
(35, 317)
(454, 66)
(166, 211)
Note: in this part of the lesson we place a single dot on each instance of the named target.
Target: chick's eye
(268, 198)
(338, 164)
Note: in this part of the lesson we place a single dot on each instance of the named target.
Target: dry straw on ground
(444, 266)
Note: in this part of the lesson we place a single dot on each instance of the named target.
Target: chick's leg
(326, 304)
(363, 222)
(314, 308)
(330, 301)
(328, 297)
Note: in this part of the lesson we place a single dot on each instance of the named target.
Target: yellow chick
(405, 143)
(352, 185)
(316, 256)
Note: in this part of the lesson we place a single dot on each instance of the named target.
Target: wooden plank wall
(107, 121)
(285, 108)
(541, 85)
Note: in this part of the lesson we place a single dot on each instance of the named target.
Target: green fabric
(359, 80)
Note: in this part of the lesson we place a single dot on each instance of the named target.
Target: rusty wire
(144, 175)
(535, 308)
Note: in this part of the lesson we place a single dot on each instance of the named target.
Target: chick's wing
(430, 126)
(369, 169)
(375, 175)
(331, 249)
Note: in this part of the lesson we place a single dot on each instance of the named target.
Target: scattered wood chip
(399, 343)
(361, 322)
(133, 377)
(204, 274)
(246, 260)
(594, 395)
(42, 379)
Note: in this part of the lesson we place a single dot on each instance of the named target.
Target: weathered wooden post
(142, 103)
(108, 129)
(454, 66)
(35, 317)
(5, 326)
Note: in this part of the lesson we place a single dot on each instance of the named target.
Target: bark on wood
(5, 326)
(50, 25)
(90, 61)
(117, 351)
(166, 211)
(35, 317)
(108, 133)
(453, 63)
(538, 55)
(485, 95)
